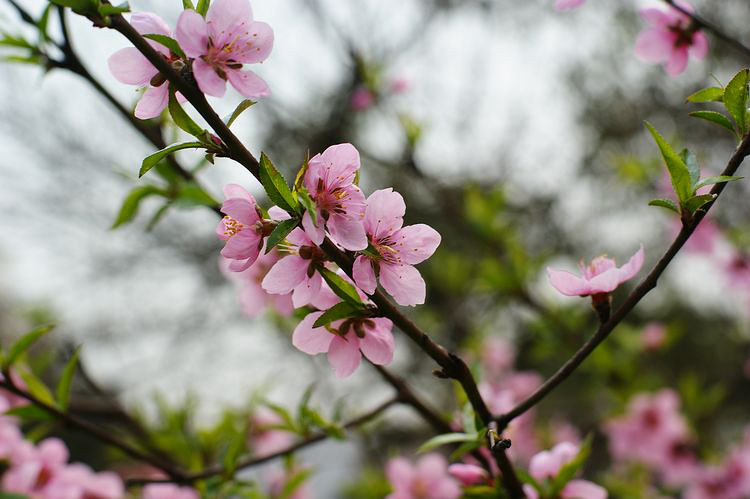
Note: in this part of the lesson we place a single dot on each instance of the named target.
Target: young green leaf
(735, 100)
(665, 203)
(696, 202)
(35, 387)
(294, 482)
(343, 310)
(308, 203)
(188, 4)
(129, 208)
(28, 413)
(710, 94)
(152, 160)
(280, 232)
(241, 107)
(299, 180)
(692, 165)
(715, 117)
(236, 447)
(181, 118)
(338, 285)
(716, 180)
(106, 9)
(42, 24)
(678, 170)
(23, 344)
(168, 42)
(275, 185)
(202, 7)
(445, 439)
(63, 386)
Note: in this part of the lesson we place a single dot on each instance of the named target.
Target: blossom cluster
(291, 275)
(670, 39)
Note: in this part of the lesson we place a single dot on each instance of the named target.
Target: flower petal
(226, 17)
(364, 274)
(285, 275)
(152, 103)
(378, 343)
(654, 46)
(253, 300)
(256, 45)
(344, 356)
(567, 283)
(348, 232)
(404, 283)
(248, 84)
(316, 234)
(307, 290)
(192, 33)
(416, 243)
(129, 66)
(699, 47)
(147, 23)
(583, 489)
(237, 191)
(242, 246)
(633, 266)
(209, 82)
(311, 340)
(384, 214)
(677, 61)
(241, 210)
(605, 282)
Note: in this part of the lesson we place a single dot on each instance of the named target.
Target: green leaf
(241, 107)
(665, 203)
(343, 289)
(156, 218)
(715, 117)
(181, 118)
(63, 386)
(31, 59)
(236, 447)
(202, 7)
(710, 94)
(735, 100)
(15, 41)
(293, 483)
(35, 387)
(129, 208)
(299, 180)
(570, 469)
(716, 180)
(343, 310)
(696, 202)
(280, 232)
(110, 10)
(168, 42)
(188, 4)
(445, 439)
(309, 204)
(29, 413)
(154, 159)
(42, 24)
(23, 344)
(678, 170)
(275, 185)
(692, 165)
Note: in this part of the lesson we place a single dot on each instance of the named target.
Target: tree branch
(649, 283)
(713, 28)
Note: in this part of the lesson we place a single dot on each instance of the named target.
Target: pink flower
(498, 356)
(670, 39)
(263, 438)
(399, 85)
(601, 276)
(221, 43)
(9, 400)
(428, 479)
(653, 336)
(340, 204)
(362, 98)
(705, 238)
(78, 480)
(346, 340)
(547, 464)
(253, 298)
(296, 273)
(131, 67)
(468, 474)
(398, 248)
(241, 228)
(568, 4)
(168, 491)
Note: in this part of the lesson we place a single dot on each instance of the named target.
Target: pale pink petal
(633, 266)
(657, 18)
(344, 356)
(416, 243)
(53, 452)
(237, 191)
(282, 304)
(347, 232)
(241, 210)
(598, 265)
(253, 300)
(129, 66)
(256, 45)
(325, 299)
(147, 23)
(604, 282)
(209, 82)
(404, 283)
(400, 473)
(309, 340)
(530, 492)
(583, 489)
(343, 160)
(445, 488)
(468, 474)
(677, 61)
(306, 291)
(226, 17)
(567, 283)
(278, 214)
(385, 213)
(544, 465)
(285, 275)
(654, 46)
(378, 343)
(431, 467)
(192, 33)
(315, 233)
(152, 103)
(568, 4)
(298, 237)
(699, 47)
(364, 274)
(242, 246)
(248, 84)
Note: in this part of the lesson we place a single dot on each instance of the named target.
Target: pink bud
(468, 474)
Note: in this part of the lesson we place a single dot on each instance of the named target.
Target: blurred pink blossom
(362, 98)
(263, 438)
(568, 4)
(600, 276)
(653, 336)
(468, 474)
(168, 491)
(429, 478)
(547, 464)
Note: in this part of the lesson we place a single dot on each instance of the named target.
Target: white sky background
(483, 85)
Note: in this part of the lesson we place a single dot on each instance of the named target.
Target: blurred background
(514, 130)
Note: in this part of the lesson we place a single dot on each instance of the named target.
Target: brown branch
(254, 461)
(648, 283)
(713, 28)
(452, 366)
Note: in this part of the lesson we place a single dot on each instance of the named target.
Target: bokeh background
(514, 130)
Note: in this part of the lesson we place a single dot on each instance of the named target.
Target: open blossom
(547, 464)
(253, 298)
(340, 204)
(131, 67)
(428, 479)
(221, 43)
(168, 491)
(670, 38)
(399, 249)
(601, 276)
(568, 4)
(653, 336)
(362, 98)
(241, 228)
(346, 340)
